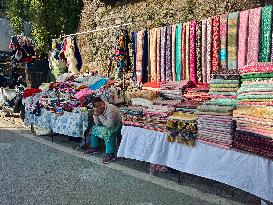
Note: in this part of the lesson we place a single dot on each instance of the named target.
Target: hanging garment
(139, 53)
(187, 51)
(173, 52)
(145, 64)
(215, 43)
(223, 39)
(204, 51)
(192, 52)
(232, 40)
(184, 29)
(158, 45)
(265, 35)
(198, 48)
(153, 54)
(169, 75)
(253, 35)
(209, 43)
(78, 55)
(163, 31)
(69, 52)
(243, 33)
(134, 48)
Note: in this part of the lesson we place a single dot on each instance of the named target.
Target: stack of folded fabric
(174, 89)
(182, 128)
(132, 116)
(254, 115)
(215, 124)
(188, 106)
(197, 93)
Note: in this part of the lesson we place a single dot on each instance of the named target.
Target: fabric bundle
(174, 90)
(198, 93)
(153, 54)
(178, 52)
(215, 43)
(192, 57)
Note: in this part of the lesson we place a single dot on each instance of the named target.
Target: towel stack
(215, 124)
(254, 115)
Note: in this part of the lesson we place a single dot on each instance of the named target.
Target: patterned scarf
(173, 52)
(163, 54)
(223, 34)
(209, 43)
(243, 32)
(192, 51)
(134, 37)
(265, 34)
(158, 44)
(187, 51)
(140, 36)
(232, 40)
(153, 54)
(198, 44)
(215, 43)
(184, 51)
(178, 39)
(204, 51)
(169, 75)
(253, 37)
(145, 49)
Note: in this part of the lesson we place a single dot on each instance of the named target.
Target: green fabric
(253, 76)
(265, 34)
(224, 93)
(222, 81)
(178, 52)
(110, 145)
(224, 86)
(215, 108)
(223, 102)
(223, 89)
(240, 97)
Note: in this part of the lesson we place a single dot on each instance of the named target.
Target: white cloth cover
(245, 171)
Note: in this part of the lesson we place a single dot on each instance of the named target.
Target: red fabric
(257, 68)
(31, 92)
(215, 43)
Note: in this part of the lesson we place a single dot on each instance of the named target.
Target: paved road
(35, 171)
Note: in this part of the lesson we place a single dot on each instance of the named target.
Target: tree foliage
(48, 18)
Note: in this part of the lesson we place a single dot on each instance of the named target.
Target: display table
(247, 172)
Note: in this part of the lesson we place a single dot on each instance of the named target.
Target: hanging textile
(192, 52)
(140, 36)
(134, 48)
(243, 33)
(158, 48)
(178, 39)
(163, 53)
(69, 52)
(198, 48)
(173, 52)
(145, 50)
(215, 43)
(184, 29)
(204, 51)
(187, 51)
(253, 35)
(78, 55)
(223, 39)
(232, 40)
(169, 75)
(265, 35)
(209, 43)
(153, 54)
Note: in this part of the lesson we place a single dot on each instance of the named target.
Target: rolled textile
(243, 33)
(204, 51)
(187, 57)
(134, 37)
(209, 43)
(153, 55)
(265, 34)
(192, 52)
(140, 36)
(215, 43)
(223, 39)
(232, 40)
(184, 29)
(253, 35)
(145, 64)
(163, 31)
(178, 53)
(173, 52)
(198, 49)
(169, 75)
(158, 47)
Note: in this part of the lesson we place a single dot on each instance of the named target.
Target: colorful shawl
(209, 43)
(198, 44)
(232, 40)
(145, 49)
(163, 54)
(215, 43)
(173, 51)
(169, 75)
(158, 44)
(153, 55)
(253, 35)
(184, 51)
(187, 68)
(140, 37)
(265, 34)
(178, 60)
(134, 37)
(192, 51)
(223, 36)
(204, 51)
(243, 33)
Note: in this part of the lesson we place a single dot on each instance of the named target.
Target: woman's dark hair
(96, 100)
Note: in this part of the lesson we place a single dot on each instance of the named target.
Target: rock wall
(97, 48)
